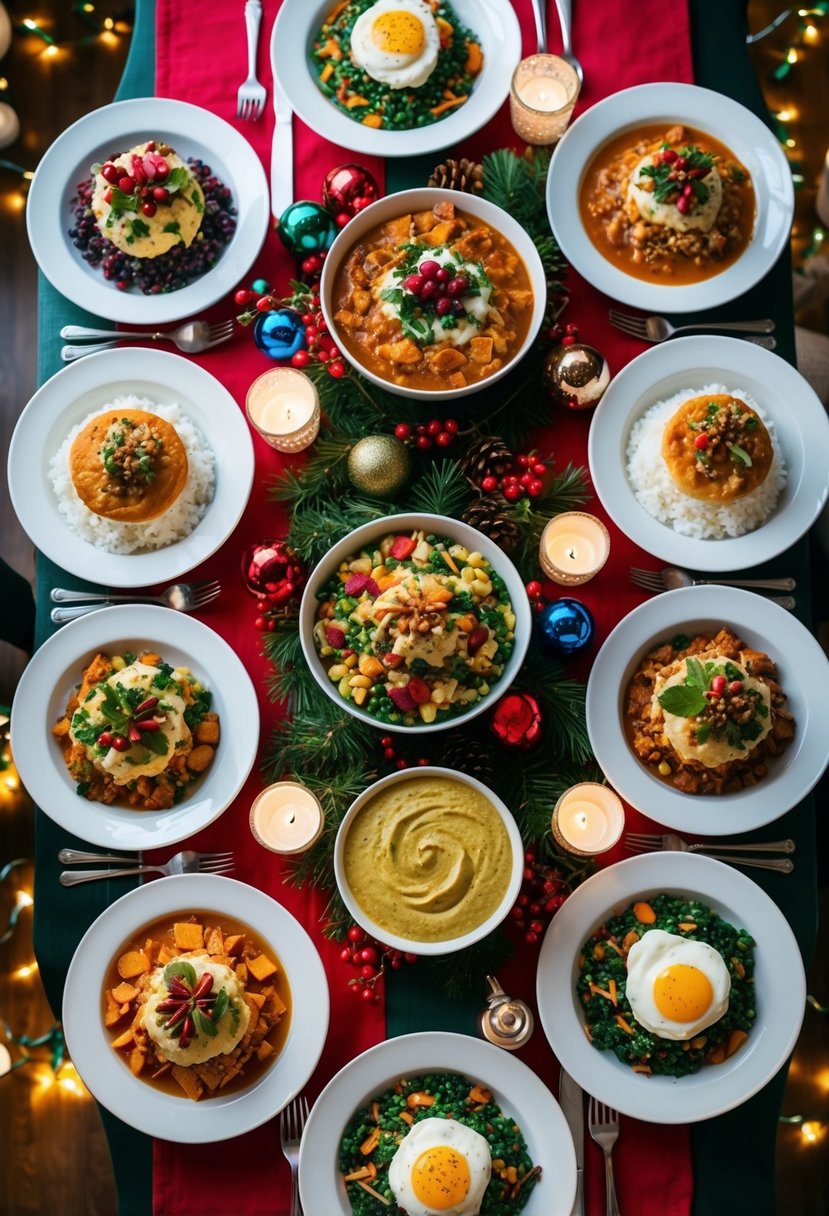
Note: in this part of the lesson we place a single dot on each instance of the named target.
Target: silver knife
(282, 150)
(571, 1099)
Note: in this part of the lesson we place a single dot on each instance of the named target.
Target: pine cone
(490, 514)
(461, 174)
(469, 756)
(489, 457)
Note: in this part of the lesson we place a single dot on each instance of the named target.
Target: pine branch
(562, 701)
(567, 491)
(336, 793)
(315, 528)
(464, 972)
(318, 740)
(441, 490)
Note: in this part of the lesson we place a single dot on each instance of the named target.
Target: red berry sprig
(391, 757)
(523, 477)
(427, 435)
(564, 335)
(543, 890)
(370, 958)
(540, 594)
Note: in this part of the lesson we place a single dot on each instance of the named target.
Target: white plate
(55, 671)
(782, 394)
(741, 131)
(803, 676)
(297, 23)
(89, 384)
(139, 1104)
(517, 1090)
(192, 132)
(779, 976)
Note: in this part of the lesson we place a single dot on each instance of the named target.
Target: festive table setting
(452, 613)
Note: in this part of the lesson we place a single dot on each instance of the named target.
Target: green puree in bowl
(378, 105)
(609, 1026)
(513, 1174)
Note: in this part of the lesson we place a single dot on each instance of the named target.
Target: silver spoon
(671, 577)
(183, 597)
(565, 20)
(192, 337)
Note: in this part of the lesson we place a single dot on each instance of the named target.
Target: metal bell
(507, 1022)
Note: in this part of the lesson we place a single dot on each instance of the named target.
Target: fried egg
(396, 42)
(666, 214)
(676, 987)
(441, 1168)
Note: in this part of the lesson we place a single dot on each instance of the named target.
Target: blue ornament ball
(306, 227)
(279, 334)
(261, 287)
(566, 627)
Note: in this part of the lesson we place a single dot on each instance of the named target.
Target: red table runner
(200, 58)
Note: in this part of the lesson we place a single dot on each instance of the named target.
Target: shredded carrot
(356, 1175)
(446, 105)
(597, 991)
(372, 120)
(613, 992)
(326, 73)
(356, 100)
(371, 1141)
(618, 949)
(686, 926)
(376, 1194)
(447, 557)
(643, 1068)
(407, 1117)
(336, 10)
(644, 913)
(375, 1111)
(623, 1025)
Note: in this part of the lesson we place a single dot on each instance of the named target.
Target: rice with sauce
(657, 492)
(176, 523)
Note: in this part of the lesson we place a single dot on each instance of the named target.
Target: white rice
(658, 493)
(175, 523)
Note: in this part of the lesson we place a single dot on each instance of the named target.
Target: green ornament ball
(379, 465)
(306, 228)
(261, 287)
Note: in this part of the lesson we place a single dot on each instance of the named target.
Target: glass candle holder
(286, 818)
(543, 93)
(574, 547)
(283, 407)
(588, 819)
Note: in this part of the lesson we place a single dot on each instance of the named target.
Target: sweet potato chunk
(112, 1013)
(262, 967)
(404, 351)
(200, 758)
(124, 1039)
(132, 964)
(188, 1081)
(264, 1050)
(188, 936)
(124, 993)
(447, 360)
(138, 1058)
(214, 942)
(480, 349)
(208, 731)
(234, 943)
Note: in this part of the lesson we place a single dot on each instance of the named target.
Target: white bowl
(361, 915)
(193, 132)
(803, 676)
(783, 396)
(439, 525)
(149, 1109)
(779, 977)
(89, 384)
(748, 138)
(54, 672)
(423, 199)
(517, 1090)
(495, 23)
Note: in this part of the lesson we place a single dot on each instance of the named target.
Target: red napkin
(201, 58)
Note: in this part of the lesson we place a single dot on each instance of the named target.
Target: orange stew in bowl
(671, 205)
(432, 299)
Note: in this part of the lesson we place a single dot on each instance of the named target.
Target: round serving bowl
(726, 120)
(449, 946)
(431, 524)
(395, 205)
(762, 625)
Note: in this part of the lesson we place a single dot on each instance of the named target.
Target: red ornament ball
(271, 570)
(516, 721)
(347, 190)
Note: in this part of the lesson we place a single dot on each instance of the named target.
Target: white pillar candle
(542, 96)
(286, 818)
(283, 406)
(588, 819)
(574, 547)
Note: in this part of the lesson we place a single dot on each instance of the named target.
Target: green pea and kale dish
(137, 731)
(396, 64)
(668, 986)
(415, 628)
(433, 1145)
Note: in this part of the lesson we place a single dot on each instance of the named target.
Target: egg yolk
(440, 1177)
(682, 993)
(398, 33)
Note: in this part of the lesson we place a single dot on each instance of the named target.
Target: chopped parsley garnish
(665, 186)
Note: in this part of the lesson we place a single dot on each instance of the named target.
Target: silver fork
(183, 597)
(292, 1120)
(659, 329)
(250, 100)
(193, 337)
(672, 577)
(603, 1122)
(186, 862)
(642, 842)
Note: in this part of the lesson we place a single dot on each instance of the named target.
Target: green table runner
(733, 1155)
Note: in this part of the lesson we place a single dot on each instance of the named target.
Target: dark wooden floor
(53, 1156)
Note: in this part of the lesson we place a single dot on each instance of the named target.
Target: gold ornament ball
(576, 376)
(379, 465)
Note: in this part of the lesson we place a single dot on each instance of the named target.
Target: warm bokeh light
(812, 1132)
(24, 972)
(789, 114)
(23, 898)
(68, 1078)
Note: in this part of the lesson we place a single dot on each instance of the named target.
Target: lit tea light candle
(574, 547)
(588, 819)
(286, 818)
(5, 1060)
(542, 96)
(283, 406)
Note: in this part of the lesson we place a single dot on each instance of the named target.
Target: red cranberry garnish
(683, 204)
(126, 184)
(443, 306)
(160, 194)
(457, 286)
(718, 685)
(442, 275)
(429, 289)
(148, 208)
(414, 283)
(429, 269)
(162, 168)
(110, 173)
